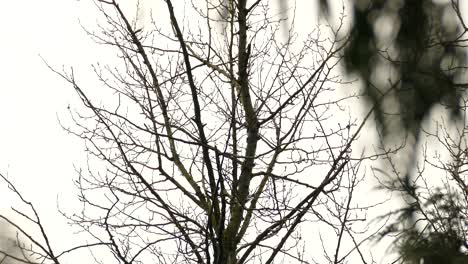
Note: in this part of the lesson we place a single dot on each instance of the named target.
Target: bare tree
(220, 140)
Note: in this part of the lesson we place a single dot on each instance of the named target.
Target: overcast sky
(35, 152)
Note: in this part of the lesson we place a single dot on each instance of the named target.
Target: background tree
(433, 226)
(423, 56)
(420, 45)
(8, 244)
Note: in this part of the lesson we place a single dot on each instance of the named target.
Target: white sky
(35, 152)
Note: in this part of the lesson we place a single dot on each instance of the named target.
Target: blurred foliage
(434, 248)
(421, 48)
(9, 245)
(440, 238)
(420, 45)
